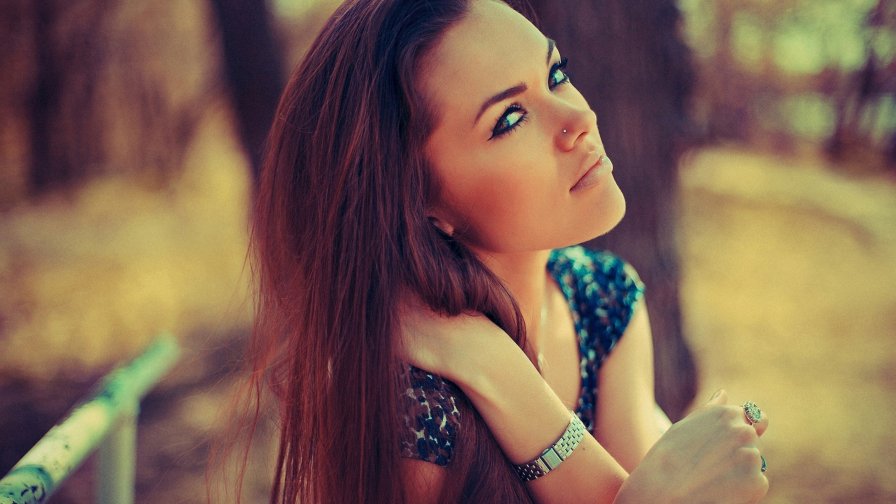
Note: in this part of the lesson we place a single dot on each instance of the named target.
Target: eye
(558, 74)
(515, 114)
(510, 119)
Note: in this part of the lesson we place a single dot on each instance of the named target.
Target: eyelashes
(515, 115)
(558, 71)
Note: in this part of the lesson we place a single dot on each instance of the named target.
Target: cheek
(487, 191)
(509, 194)
(502, 198)
(499, 212)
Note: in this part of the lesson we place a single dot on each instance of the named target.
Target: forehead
(490, 49)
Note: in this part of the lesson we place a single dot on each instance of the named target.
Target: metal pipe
(117, 465)
(56, 456)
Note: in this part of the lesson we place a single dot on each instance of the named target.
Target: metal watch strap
(554, 454)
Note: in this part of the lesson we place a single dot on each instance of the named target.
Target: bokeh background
(128, 143)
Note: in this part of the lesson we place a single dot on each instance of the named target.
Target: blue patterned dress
(602, 291)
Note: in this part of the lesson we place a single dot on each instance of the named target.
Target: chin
(609, 215)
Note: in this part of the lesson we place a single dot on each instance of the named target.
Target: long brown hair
(340, 234)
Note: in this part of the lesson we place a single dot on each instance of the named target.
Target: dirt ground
(789, 301)
(789, 268)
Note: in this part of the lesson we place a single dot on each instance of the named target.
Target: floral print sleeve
(602, 291)
(431, 417)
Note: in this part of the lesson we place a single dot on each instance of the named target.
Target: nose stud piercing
(564, 131)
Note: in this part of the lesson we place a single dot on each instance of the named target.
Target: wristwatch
(555, 454)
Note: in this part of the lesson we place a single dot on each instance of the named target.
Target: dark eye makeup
(515, 115)
(558, 74)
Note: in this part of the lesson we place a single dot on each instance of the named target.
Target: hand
(448, 345)
(710, 456)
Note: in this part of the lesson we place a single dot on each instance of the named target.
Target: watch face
(551, 458)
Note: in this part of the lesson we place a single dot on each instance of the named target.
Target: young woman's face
(516, 150)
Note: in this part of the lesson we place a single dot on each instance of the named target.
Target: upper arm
(422, 481)
(431, 421)
(627, 424)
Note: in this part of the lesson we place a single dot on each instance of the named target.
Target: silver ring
(764, 465)
(752, 412)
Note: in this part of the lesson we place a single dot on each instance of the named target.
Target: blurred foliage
(299, 9)
(121, 104)
(100, 88)
(798, 36)
(782, 72)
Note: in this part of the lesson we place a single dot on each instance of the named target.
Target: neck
(525, 276)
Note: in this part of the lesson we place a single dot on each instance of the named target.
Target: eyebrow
(513, 91)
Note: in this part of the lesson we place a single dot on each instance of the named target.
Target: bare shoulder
(422, 481)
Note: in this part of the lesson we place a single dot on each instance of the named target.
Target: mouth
(594, 173)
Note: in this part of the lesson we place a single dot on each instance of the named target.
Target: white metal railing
(106, 421)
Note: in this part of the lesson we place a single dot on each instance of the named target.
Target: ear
(441, 224)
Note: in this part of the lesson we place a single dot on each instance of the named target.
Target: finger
(755, 480)
(762, 424)
(720, 397)
(760, 487)
(762, 482)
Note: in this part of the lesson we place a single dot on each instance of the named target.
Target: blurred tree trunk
(118, 86)
(626, 58)
(891, 152)
(61, 102)
(860, 102)
(44, 100)
(253, 60)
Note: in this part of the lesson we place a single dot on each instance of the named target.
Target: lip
(594, 173)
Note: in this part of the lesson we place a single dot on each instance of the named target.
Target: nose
(576, 125)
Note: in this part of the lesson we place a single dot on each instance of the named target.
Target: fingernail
(718, 392)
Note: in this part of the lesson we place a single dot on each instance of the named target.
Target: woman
(424, 342)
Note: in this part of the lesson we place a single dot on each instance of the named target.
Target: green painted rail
(106, 422)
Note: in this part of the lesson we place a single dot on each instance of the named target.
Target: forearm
(706, 457)
(526, 416)
(628, 421)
